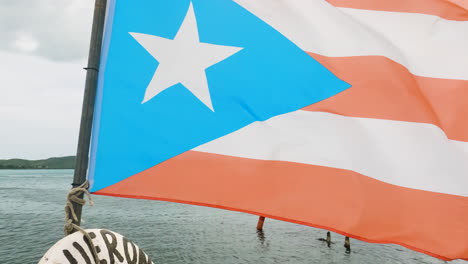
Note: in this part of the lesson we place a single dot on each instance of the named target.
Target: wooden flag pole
(261, 221)
(82, 153)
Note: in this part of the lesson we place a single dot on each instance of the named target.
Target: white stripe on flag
(407, 154)
(427, 45)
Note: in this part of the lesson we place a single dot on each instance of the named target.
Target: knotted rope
(70, 215)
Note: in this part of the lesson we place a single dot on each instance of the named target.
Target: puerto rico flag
(347, 115)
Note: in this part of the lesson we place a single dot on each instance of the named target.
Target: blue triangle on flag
(270, 76)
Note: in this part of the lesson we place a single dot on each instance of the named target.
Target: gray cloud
(40, 106)
(55, 29)
(43, 47)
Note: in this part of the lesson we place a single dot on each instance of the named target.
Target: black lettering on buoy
(82, 252)
(127, 255)
(143, 258)
(92, 235)
(88, 243)
(111, 246)
(69, 257)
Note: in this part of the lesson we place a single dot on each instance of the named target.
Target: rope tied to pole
(74, 197)
(71, 217)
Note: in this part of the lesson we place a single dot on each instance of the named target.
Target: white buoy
(110, 247)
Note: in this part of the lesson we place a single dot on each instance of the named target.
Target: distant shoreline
(55, 163)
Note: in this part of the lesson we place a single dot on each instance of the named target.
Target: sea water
(31, 221)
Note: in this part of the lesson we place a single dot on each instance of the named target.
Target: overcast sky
(43, 48)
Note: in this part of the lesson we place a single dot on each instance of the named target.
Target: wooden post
(261, 220)
(347, 245)
(82, 153)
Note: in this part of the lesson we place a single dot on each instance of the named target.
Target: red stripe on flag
(384, 89)
(338, 200)
(448, 9)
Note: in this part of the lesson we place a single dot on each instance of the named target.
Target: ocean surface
(31, 221)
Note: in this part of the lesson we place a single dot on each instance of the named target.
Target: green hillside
(50, 163)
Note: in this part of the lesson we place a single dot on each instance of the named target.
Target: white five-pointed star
(183, 60)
